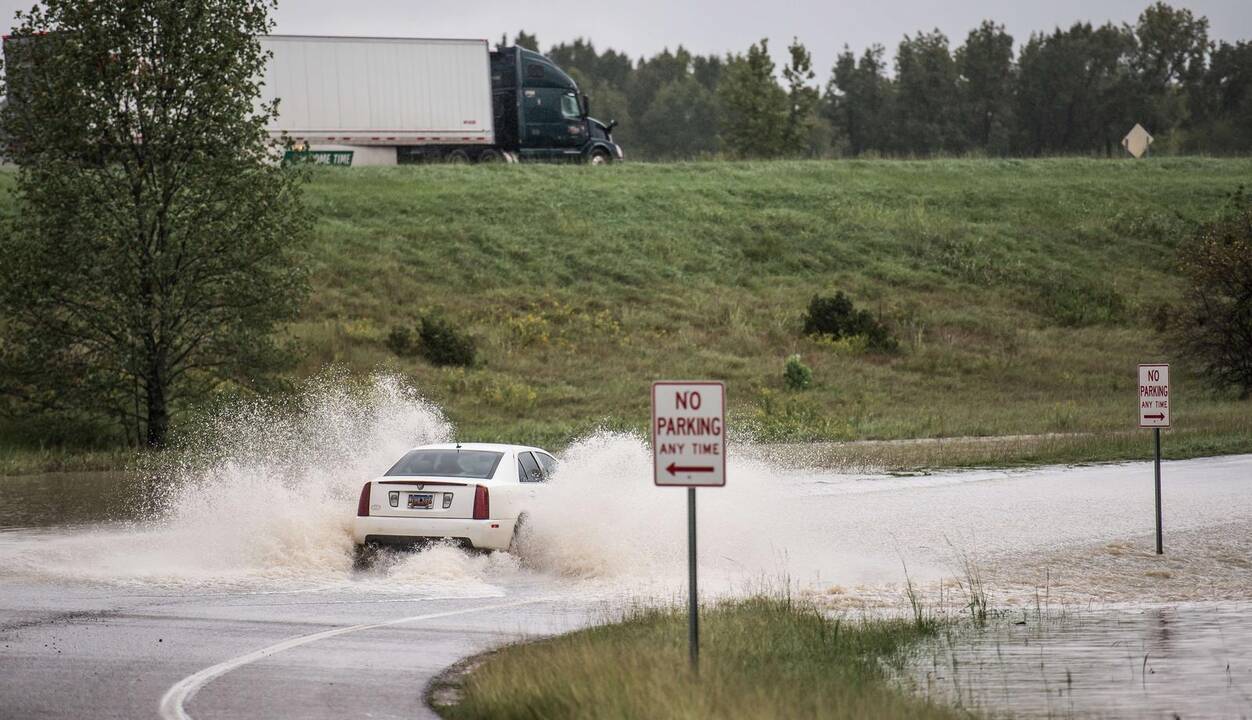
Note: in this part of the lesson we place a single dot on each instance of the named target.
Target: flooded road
(226, 589)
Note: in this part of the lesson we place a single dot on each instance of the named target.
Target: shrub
(1214, 322)
(837, 318)
(401, 341)
(796, 374)
(442, 344)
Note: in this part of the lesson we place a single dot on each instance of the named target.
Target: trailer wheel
(490, 155)
(457, 157)
(600, 156)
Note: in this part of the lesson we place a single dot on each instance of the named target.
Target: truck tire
(600, 156)
(490, 155)
(456, 157)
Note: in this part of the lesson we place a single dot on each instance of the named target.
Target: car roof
(492, 447)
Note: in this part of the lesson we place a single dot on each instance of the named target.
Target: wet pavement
(230, 593)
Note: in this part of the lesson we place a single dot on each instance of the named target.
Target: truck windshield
(477, 464)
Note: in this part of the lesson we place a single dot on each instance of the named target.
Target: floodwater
(72, 499)
(1172, 661)
(264, 501)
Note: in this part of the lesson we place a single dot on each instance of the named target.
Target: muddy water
(72, 499)
(1180, 661)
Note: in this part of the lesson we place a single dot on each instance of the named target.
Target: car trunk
(423, 498)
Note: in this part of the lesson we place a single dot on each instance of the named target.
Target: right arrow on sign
(674, 469)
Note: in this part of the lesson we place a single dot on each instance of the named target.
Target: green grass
(1023, 292)
(761, 658)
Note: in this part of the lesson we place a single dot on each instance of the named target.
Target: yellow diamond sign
(1137, 141)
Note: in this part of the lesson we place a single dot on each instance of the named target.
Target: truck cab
(540, 112)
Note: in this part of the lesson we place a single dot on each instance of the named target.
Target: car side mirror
(586, 105)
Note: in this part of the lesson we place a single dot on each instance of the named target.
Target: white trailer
(374, 95)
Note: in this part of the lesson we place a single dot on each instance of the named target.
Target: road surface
(219, 613)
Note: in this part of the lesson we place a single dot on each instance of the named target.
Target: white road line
(176, 697)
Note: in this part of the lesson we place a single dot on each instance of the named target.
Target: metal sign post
(689, 450)
(693, 598)
(1154, 412)
(1160, 546)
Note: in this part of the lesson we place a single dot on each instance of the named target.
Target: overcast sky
(643, 27)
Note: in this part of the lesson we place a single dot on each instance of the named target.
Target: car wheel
(363, 556)
(599, 156)
(517, 532)
(457, 157)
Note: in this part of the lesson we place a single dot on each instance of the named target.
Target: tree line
(1069, 91)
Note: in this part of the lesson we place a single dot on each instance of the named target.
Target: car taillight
(482, 503)
(363, 505)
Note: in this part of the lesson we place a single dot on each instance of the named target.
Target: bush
(796, 374)
(442, 344)
(837, 318)
(401, 341)
(1213, 325)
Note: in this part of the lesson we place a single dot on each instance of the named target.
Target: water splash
(263, 493)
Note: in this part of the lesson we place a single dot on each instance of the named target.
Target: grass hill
(1023, 293)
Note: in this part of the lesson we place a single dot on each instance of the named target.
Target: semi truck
(373, 101)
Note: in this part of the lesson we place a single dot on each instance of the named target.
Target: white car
(475, 494)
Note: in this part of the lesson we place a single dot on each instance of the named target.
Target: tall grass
(1022, 292)
(761, 658)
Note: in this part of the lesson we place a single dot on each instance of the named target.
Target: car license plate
(420, 501)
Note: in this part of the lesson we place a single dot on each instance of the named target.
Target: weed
(797, 375)
(402, 341)
(1077, 303)
(971, 583)
(443, 344)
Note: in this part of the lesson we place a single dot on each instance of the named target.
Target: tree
(926, 81)
(680, 120)
(985, 66)
(1214, 323)
(859, 101)
(526, 40)
(1168, 57)
(802, 100)
(707, 71)
(754, 107)
(1220, 104)
(1075, 89)
(155, 242)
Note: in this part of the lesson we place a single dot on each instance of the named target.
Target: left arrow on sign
(675, 468)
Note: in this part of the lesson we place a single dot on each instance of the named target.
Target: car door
(530, 475)
(547, 463)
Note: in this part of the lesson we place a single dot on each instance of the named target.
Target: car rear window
(478, 464)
